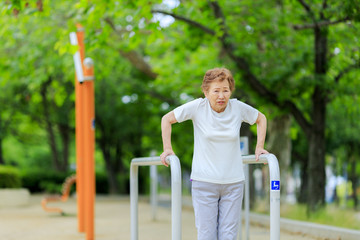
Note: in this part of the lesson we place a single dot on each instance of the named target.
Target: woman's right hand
(164, 155)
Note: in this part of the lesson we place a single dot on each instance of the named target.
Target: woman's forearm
(261, 130)
(166, 122)
(261, 134)
(166, 131)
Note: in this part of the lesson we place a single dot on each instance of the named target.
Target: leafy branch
(319, 24)
(315, 23)
(136, 60)
(346, 70)
(188, 21)
(243, 65)
(139, 63)
(309, 11)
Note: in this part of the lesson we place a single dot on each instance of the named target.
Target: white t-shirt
(217, 154)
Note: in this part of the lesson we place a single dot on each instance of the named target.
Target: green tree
(7, 112)
(281, 51)
(122, 110)
(42, 84)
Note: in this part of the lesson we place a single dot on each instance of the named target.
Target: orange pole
(79, 137)
(90, 148)
(85, 138)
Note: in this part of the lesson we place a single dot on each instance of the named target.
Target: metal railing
(176, 204)
(274, 172)
(269, 159)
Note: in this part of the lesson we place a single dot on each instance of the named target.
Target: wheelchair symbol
(275, 185)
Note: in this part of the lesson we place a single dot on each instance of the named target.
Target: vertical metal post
(244, 147)
(89, 146)
(134, 200)
(85, 135)
(274, 197)
(176, 198)
(75, 39)
(153, 191)
(247, 202)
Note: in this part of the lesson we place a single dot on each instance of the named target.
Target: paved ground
(112, 222)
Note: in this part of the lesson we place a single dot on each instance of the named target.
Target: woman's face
(218, 95)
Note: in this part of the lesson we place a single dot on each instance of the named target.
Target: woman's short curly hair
(217, 74)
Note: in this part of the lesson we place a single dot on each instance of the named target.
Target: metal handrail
(274, 173)
(176, 204)
(269, 159)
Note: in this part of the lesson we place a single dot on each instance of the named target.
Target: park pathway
(112, 222)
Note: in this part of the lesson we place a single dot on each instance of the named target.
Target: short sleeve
(186, 111)
(249, 114)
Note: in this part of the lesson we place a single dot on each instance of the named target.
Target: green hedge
(9, 177)
(102, 184)
(39, 180)
(49, 181)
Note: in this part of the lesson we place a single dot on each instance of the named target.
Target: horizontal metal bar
(250, 159)
(147, 161)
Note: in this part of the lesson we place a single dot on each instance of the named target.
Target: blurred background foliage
(296, 61)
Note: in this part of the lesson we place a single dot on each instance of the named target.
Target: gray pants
(217, 209)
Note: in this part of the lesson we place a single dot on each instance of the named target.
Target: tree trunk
(1, 142)
(303, 193)
(354, 179)
(1, 151)
(65, 139)
(316, 159)
(353, 176)
(279, 143)
(110, 163)
(110, 169)
(316, 172)
(49, 125)
(112, 177)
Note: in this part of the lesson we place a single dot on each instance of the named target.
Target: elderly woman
(217, 170)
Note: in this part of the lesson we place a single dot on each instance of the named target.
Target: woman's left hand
(258, 152)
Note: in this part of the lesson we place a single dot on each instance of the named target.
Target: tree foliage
(288, 57)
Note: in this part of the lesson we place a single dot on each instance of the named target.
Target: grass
(330, 215)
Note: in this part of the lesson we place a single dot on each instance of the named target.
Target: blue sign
(242, 145)
(93, 124)
(275, 185)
